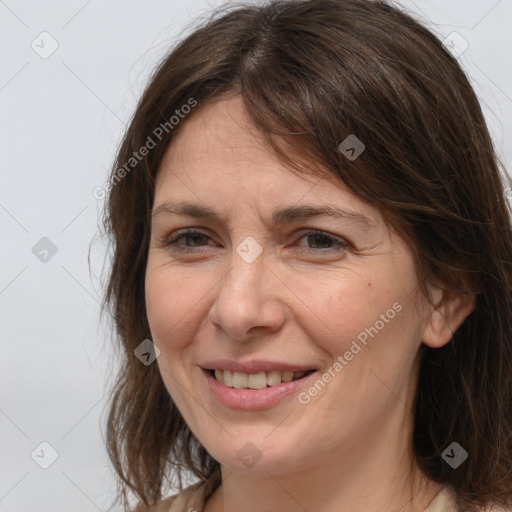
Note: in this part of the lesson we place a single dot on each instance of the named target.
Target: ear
(449, 311)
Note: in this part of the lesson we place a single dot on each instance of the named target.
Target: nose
(248, 302)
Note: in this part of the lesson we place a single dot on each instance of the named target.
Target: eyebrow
(281, 216)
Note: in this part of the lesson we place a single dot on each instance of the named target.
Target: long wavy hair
(311, 73)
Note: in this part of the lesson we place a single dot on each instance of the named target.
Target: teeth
(274, 378)
(257, 380)
(239, 380)
(228, 378)
(287, 376)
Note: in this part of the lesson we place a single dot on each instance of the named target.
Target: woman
(311, 275)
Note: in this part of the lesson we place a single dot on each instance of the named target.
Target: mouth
(269, 384)
(260, 380)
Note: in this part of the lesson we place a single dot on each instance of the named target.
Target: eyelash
(172, 241)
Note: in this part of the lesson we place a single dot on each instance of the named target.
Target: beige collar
(444, 501)
(192, 498)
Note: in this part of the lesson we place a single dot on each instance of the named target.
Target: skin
(302, 300)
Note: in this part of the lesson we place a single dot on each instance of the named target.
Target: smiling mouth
(260, 380)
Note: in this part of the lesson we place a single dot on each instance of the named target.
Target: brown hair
(311, 73)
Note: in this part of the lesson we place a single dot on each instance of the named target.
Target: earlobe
(446, 317)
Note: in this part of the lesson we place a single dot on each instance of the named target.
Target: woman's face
(261, 290)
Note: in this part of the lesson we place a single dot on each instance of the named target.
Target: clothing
(191, 500)
(443, 502)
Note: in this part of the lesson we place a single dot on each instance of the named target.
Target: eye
(198, 239)
(317, 237)
(190, 234)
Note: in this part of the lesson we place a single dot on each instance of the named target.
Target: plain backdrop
(62, 117)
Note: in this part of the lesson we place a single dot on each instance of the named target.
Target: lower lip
(254, 399)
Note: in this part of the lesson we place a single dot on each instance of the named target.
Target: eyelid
(176, 236)
(340, 244)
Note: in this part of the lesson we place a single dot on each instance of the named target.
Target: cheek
(175, 303)
(338, 306)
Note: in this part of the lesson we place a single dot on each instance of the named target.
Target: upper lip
(254, 366)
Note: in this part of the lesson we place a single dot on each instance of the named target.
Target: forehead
(219, 133)
(219, 157)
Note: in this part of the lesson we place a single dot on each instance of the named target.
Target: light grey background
(61, 120)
